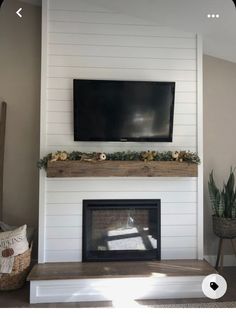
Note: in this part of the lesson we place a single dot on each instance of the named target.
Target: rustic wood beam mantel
(66, 169)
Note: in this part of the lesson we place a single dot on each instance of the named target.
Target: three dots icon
(213, 16)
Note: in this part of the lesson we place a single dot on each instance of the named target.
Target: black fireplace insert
(121, 230)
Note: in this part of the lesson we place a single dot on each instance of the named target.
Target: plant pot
(224, 227)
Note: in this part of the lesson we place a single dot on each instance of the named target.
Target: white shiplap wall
(84, 40)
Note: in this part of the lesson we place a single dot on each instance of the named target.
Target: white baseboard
(113, 289)
(229, 260)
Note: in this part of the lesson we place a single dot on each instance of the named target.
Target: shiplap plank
(143, 41)
(60, 106)
(126, 74)
(185, 97)
(179, 253)
(131, 63)
(76, 243)
(60, 94)
(64, 221)
(178, 231)
(67, 244)
(185, 108)
(63, 232)
(178, 219)
(60, 209)
(60, 117)
(67, 106)
(185, 119)
(67, 129)
(67, 140)
(65, 209)
(189, 130)
(60, 129)
(170, 242)
(63, 255)
(76, 233)
(115, 29)
(118, 73)
(121, 185)
(178, 208)
(67, 83)
(67, 118)
(117, 51)
(76, 5)
(67, 95)
(94, 17)
(70, 197)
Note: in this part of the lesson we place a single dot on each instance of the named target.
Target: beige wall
(219, 131)
(20, 41)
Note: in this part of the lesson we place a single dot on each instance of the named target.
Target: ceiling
(219, 34)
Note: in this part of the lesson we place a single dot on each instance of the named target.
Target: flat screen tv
(135, 111)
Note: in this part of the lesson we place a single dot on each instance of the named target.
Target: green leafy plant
(223, 202)
(181, 156)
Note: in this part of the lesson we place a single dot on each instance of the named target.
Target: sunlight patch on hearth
(159, 275)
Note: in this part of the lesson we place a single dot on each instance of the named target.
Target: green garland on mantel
(181, 156)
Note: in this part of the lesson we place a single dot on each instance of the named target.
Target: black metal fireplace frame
(120, 255)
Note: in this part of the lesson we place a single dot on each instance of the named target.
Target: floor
(20, 298)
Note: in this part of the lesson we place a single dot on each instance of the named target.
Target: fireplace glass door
(115, 230)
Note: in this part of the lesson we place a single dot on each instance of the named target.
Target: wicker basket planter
(16, 279)
(224, 227)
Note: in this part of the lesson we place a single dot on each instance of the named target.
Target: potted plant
(223, 203)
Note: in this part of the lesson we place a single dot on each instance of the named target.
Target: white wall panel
(88, 41)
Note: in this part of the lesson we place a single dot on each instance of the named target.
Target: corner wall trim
(43, 102)
(200, 147)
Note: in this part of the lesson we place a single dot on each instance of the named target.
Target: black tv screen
(138, 111)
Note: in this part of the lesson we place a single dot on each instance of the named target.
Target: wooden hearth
(107, 281)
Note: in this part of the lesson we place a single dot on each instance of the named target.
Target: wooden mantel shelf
(66, 169)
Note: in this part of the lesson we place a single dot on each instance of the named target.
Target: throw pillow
(13, 243)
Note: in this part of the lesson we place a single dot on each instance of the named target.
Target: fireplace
(121, 230)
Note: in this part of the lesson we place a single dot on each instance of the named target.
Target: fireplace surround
(121, 230)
